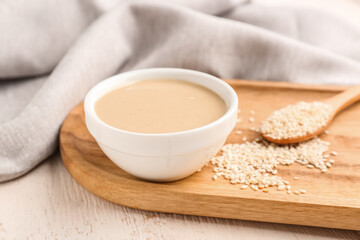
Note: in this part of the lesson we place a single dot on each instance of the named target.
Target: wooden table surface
(48, 204)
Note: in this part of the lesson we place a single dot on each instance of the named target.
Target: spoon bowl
(338, 102)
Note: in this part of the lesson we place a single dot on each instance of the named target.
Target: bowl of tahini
(161, 124)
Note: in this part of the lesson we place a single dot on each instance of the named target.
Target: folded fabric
(83, 42)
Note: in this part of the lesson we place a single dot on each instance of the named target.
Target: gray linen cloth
(53, 52)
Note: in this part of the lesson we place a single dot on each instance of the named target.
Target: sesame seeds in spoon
(304, 120)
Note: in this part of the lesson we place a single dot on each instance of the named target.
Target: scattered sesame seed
(265, 190)
(296, 120)
(215, 177)
(244, 139)
(324, 170)
(254, 164)
(334, 153)
(288, 191)
(331, 161)
(310, 166)
(328, 164)
(251, 119)
(326, 155)
(238, 132)
(296, 192)
(302, 191)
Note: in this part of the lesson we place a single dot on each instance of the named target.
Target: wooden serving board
(332, 199)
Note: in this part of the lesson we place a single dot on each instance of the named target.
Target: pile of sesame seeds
(254, 164)
(296, 120)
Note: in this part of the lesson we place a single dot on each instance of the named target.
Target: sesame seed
(296, 120)
(296, 192)
(288, 191)
(326, 155)
(331, 161)
(251, 119)
(238, 132)
(302, 191)
(326, 132)
(328, 164)
(324, 170)
(215, 177)
(244, 139)
(334, 153)
(254, 164)
(265, 190)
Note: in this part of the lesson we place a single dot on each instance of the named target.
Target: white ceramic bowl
(165, 156)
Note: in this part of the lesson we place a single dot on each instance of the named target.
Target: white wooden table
(48, 204)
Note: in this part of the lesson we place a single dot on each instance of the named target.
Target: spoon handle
(345, 99)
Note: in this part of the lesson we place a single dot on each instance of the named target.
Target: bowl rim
(90, 108)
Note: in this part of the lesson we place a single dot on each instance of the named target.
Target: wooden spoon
(338, 102)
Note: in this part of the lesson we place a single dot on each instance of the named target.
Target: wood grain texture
(47, 204)
(345, 99)
(333, 199)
